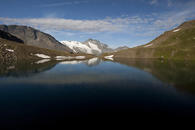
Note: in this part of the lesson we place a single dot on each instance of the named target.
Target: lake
(47, 91)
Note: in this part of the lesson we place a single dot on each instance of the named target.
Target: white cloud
(63, 3)
(135, 25)
(153, 2)
(138, 26)
(90, 26)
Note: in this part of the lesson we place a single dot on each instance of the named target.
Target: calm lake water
(49, 91)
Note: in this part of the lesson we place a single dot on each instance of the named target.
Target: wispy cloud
(104, 25)
(153, 2)
(63, 3)
(169, 3)
(136, 24)
(139, 27)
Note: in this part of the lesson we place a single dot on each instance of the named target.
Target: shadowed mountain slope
(10, 37)
(34, 37)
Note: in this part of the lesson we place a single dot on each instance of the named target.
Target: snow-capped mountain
(89, 47)
(90, 62)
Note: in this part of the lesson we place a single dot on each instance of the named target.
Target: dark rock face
(10, 37)
(34, 37)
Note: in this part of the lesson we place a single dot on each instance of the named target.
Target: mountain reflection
(79, 72)
(26, 68)
(179, 74)
(121, 72)
(90, 62)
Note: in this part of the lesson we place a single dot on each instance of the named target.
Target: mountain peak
(121, 48)
(91, 40)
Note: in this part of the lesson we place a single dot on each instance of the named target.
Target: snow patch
(42, 61)
(63, 58)
(11, 67)
(110, 57)
(10, 50)
(148, 45)
(92, 60)
(69, 57)
(80, 57)
(71, 62)
(75, 46)
(42, 56)
(94, 47)
(176, 30)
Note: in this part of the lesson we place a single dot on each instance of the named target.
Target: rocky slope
(31, 36)
(178, 43)
(12, 51)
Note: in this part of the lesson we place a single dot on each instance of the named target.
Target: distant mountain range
(90, 46)
(14, 50)
(121, 48)
(178, 43)
(34, 37)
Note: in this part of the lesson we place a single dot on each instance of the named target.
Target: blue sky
(114, 22)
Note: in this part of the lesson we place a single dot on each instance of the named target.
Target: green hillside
(178, 43)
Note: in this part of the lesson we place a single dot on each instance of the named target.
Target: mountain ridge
(13, 51)
(90, 46)
(34, 37)
(178, 43)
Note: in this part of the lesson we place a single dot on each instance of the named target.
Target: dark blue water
(49, 93)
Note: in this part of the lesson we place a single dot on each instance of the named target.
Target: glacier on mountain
(90, 46)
